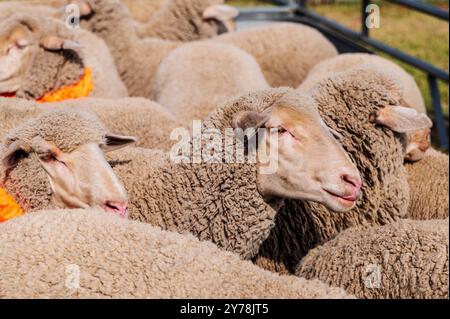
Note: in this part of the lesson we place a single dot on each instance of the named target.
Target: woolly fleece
(125, 259)
(428, 180)
(180, 20)
(144, 119)
(52, 70)
(412, 257)
(285, 52)
(197, 77)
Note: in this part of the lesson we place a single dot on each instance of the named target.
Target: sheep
(419, 141)
(285, 52)
(42, 60)
(9, 8)
(362, 105)
(197, 77)
(139, 117)
(406, 259)
(89, 254)
(56, 160)
(189, 20)
(428, 181)
(232, 200)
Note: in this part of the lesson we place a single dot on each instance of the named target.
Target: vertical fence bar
(302, 3)
(364, 15)
(439, 116)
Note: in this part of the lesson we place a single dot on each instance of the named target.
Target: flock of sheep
(358, 206)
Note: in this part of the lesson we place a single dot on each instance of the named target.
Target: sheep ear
(84, 7)
(250, 119)
(401, 119)
(223, 13)
(116, 142)
(15, 152)
(54, 43)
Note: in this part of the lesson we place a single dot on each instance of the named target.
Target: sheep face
(311, 163)
(15, 57)
(34, 59)
(78, 178)
(218, 19)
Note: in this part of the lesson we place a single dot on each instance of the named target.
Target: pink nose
(117, 207)
(353, 181)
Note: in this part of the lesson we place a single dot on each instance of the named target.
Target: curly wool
(124, 259)
(345, 103)
(411, 95)
(28, 182)
(218, 202)
(179, 20)
(197, 77)
(412, 257)
(53, 70)
(281, 50)
(144, 119)
(428, 180)
(9, 8)
(286, 52)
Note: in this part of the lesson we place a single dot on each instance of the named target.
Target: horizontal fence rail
(361, 41)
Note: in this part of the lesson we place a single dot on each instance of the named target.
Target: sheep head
(37, 56)
(310, 162)
(57, 161)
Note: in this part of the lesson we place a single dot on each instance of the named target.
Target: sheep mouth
(345, 198)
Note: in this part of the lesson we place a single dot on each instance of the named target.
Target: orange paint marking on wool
(9, 208)
(78, 90)
(75, 91)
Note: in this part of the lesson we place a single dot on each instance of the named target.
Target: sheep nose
(117, 207)
(353, 181)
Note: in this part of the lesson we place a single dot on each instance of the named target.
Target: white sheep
(56, 160)
(89, 254)
(197, 77)
(419, 141)
(151, 123)
(285, 52)
(46, 61)
(407, 259)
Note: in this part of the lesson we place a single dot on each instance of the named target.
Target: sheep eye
(48, 157)
(281, 130)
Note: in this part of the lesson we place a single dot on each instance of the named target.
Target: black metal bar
(276, 13)
(364, 16)
(419, 64)
(439, 117)
(424, 8)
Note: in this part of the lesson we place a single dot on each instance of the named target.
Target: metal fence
(348, 40)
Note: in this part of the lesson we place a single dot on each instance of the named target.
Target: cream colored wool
(190, 84)
(346, 102)
(144, 119)
(51, 70)
(9, 8)
(124, 259)
(428, 180)
(411, 95)
(180, 20)
(285, 52)
(407, 259)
